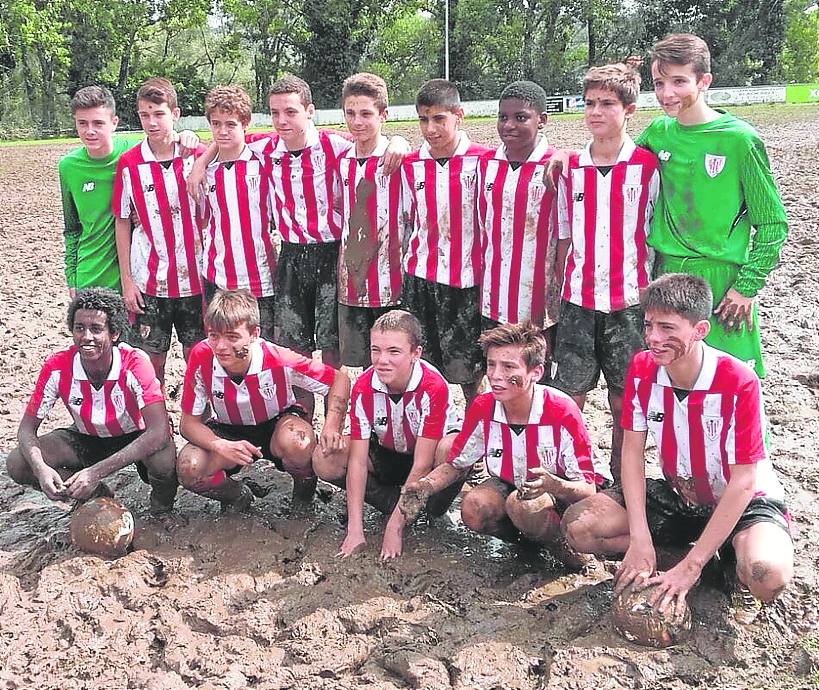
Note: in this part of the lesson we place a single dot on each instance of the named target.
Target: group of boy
(496, 271)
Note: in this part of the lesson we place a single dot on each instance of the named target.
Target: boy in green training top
(719, 214)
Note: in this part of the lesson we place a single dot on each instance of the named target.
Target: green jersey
(86, 185)
(718, 199)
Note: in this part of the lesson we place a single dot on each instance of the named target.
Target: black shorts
(354, 325)
(266, 309)
(673, 522)
(152, 329)
(390, 467)
(93, 449)
(589, 341)
(450, 323)
(306, 317)
(257, 434)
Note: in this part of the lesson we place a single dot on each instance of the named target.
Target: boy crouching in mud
(113, 396)
(248, 383)
(534, 443)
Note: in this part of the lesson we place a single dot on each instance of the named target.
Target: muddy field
(260, 600)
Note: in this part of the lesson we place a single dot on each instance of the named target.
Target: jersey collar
(460, 149)
(256, 357)
(148, 155)
(707, 372)
(310, 140)
(378, 151)
(116, 366)
(499, 413)
(245, 155)
(414, 380)
(626, 150)
(539, 151)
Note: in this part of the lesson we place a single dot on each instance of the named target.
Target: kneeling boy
(248, 383)
(704, 409)
(536, 448)
(113, 396)
(402, 419)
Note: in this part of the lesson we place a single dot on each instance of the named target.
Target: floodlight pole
(446, 40)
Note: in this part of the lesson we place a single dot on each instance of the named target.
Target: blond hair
(231, 308)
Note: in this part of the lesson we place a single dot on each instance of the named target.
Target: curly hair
(231, 99)
(104, 300)
(528, 92)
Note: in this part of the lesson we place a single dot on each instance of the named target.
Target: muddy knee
(192, 469)
(765, 579)
(479, 513)
(162, 464)
(578, 527)
(18, 468)
(294, 441)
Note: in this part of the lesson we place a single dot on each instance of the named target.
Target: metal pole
(446, 40)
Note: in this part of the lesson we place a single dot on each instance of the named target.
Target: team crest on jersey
(631, 193)
(412, 416)
(549, 456)
(712, 426)
(118, 400)
(318, 160)
(252, 182)
(714, 164)
(268, 391)
(468, 179)
(536, 191)
(277, 161)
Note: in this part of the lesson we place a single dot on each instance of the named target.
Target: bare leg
(616, 406)
(764, 559)
(199, 472)
(483, 510)
(597, 525)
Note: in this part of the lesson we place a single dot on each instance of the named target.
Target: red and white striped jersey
(518, 221)
(369, 263)
(238, 246)
(425, 409)
(607, 218)
(166, 243)
(444, 243)
(114, 409)
(306, 190)
(265, 390)
(719, 423)
(554, 438)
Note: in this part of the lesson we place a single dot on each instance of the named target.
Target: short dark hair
(368, 85)
(400, 320)
(682, 49)
(438, 92)
(93, 97)
(158, 90)
(682, 294)
(290, 83)
(618, 78)
(230, 308)
(104, 300)
(524, 335)
(528, 92)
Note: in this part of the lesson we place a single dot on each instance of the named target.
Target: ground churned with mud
(260, 601)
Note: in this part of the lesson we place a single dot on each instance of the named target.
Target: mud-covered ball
(102, 526)
(637, 621)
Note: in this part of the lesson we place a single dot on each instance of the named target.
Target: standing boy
(369, 264)
(443, 261)
(719, 214)
(533, 441)
(116, 406)
(248, 383)
(606, 202)
(516, 212)
(238, 247)
(704, 411)
(160, 259)
(401, 425)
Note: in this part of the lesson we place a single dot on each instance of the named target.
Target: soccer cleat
(745, 605)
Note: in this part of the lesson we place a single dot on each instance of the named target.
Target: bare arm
(228, 453)
(196, 179)
(130, 292)
(565, 490)
(332, 439)
(356, 485)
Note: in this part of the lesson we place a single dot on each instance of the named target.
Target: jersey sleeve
(564, 222)
(646, 137)
(46, 390)
(470, 445)
(194, 390)
(121, 195)
(307, 373)
(575, 449)
(361, 422)
(72, 228)
(434, 407)
(150, 390)
(749, 444)
(633, 417)
(767, 216)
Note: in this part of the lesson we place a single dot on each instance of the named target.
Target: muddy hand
(735, 310)
(414, 497)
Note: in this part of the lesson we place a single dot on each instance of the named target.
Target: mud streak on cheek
(676, 346)
(242, 352)
(515, 381)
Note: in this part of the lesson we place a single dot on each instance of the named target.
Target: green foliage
(800, 53)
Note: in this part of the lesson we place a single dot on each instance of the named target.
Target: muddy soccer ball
(636, 620)
(103, 526)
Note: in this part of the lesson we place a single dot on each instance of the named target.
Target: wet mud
(260, 600)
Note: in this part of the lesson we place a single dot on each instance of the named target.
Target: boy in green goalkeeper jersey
(719, 214)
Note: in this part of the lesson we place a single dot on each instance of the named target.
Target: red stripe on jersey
(668, 442)
(532, 432)
(309, 191)
(331, 188)
(256, 400)
(396, 221)
(616, 238)
(557, 441)
(456, 229)
(727, 413)
(352, 297)
(415, 240)
(640, 235)
(545, 235)
(496, 237)
(696, 448)
(431, 200)
(132, 408)
(246, 229)
(111, 422)
(590, 232)
(229, 390)
(370, 169)
(231, 281)
(87, 407)
(507, 467)
(295, 233)
(141, 207)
